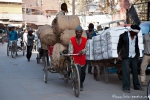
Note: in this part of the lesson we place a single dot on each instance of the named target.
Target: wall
(11, 0)
(10, 8)
(46, 4)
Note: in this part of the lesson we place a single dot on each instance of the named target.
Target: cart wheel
(76, 80)
(66, 80)
(7, 50)
(45, 70)
(96, 72)
(148, 90)
(120, 75)
(13, 51)
(38, 59)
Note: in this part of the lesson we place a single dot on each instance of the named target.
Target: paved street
(23, 80)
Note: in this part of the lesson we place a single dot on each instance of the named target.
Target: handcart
(101, 66)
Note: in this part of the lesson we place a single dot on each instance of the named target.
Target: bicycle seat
(65, 51)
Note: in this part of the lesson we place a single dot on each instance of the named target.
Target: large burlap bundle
(41, 28)
(62, 23)
(44, 46)
(56, 55)
(47, 36)
(67, 34)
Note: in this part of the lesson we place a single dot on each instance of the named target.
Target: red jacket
(81, 59)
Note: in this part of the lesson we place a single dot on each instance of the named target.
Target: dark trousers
(89, 66)
(29, 52)
(126, 65)
(82, 72)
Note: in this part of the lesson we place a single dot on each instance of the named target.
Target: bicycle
(66, 71)
(75, 77)
(12, 48)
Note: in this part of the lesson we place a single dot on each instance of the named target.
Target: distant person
(30, 38)
(19, 29)
(13, 36)
(90, 33)
(25, 37)
(64, 9)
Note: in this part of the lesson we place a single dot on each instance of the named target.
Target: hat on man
(79, 28)
(30, 31)
(135, 28)
(91, 25)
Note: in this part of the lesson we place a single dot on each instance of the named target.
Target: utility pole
(41, 3)
(25, 16)
(73, 7)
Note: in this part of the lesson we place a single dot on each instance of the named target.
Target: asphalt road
(23, 80)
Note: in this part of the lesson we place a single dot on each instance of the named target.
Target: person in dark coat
(90, 33)
(30, 38)
(128, 52)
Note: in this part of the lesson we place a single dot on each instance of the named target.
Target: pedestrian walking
(78, 44)
(128, 52)
(90, 33)
(25, 38)
(30, 38)
(146, 58)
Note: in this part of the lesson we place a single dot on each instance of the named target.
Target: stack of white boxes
(89, 53)
(104, 46)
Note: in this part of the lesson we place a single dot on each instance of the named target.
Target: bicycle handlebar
(69, 54)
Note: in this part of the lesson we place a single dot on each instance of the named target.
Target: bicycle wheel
(8, 50)
(38, 59)
(23, 50)
(13, 51)
(45, 70)
(66, 70)
(96, 73)
(76, 80)
(148, 91)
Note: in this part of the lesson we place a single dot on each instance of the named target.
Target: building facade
(11, 12)
(39, 12)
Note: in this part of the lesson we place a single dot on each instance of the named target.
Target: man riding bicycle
(13, 36)
(78, 45)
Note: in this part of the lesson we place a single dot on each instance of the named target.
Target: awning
(16, 25)
(12, 1)
(15, 20)
(33, 7)
(50, 10)
(1, 22)
(38, 23)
